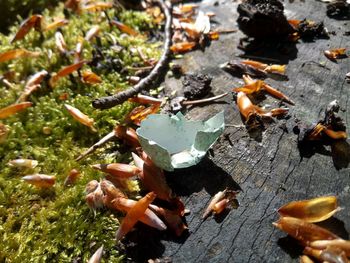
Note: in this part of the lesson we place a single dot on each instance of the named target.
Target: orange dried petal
(312, 210)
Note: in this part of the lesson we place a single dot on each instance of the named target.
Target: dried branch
(146, 83)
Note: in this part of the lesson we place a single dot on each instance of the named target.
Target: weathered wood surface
(270, 172)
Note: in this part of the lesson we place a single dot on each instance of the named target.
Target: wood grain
(270, 172)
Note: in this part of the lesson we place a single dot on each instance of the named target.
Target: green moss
(55, 225)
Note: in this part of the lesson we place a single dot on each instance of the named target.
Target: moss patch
(55, 225)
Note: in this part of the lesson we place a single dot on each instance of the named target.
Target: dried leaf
(313, 210)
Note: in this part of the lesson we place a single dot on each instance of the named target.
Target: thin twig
(194, 102)
(146, 83)
(110, 136)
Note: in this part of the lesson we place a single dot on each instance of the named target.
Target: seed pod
(313, 210)
(40, 180)
(303, 231)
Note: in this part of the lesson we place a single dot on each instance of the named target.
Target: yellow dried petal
(313, 210)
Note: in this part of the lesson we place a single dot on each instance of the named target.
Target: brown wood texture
(269, 171)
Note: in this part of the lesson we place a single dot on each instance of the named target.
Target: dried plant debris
(252, 114)
(309, 30)
(239, 69)
(263, 19)
(312, 210)
(339, 9)
(190, 33)
(331, 127)
(220, 201)
(253, 68)
(196, 86)
(331, 130)
(334, 54)
(253, 86)
(320, 244)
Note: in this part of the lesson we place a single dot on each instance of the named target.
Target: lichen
(55, 225)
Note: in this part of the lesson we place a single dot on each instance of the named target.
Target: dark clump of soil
(339, 10)
(309, 30)
(263, 19)
(196, 86)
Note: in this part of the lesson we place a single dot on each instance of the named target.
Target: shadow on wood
(205, 175)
